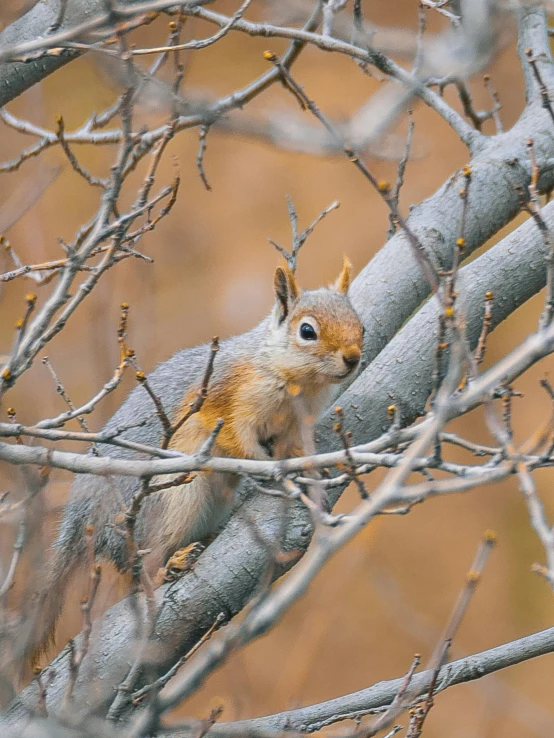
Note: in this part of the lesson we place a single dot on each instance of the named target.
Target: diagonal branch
(357, 704)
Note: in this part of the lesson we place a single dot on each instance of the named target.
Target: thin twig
(543, 90)
(382, 187)
(299, 239)
(142, 693)
(196, 405)
(395, 192)
(77, 656)
(481, 347)
(86, 175)
(202, 144)
(496, 104)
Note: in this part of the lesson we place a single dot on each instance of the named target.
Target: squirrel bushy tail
(48, 605)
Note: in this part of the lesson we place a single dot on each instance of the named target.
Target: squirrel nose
(351, 357)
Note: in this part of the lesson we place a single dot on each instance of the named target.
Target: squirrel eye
(307, 332)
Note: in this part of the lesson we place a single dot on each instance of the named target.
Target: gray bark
(16, 77)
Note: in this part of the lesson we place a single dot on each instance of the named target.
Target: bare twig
(156, 686)
(202, 144)
(9, 579)
(299, 239)
(94, 181)
(537, 516)
(440, 655)
(77, 656)
(346, 439)
(60, 389)
(485, 330)
(395, 192)
(196, 405)
(496, 106)
(543, 90)
(383, 188)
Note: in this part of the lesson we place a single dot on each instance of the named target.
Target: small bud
(31, 298)
(487, 78)
(383, 186)
(6, 374)
(140, 376)
(125, 306)
(449, 312)
(89, 530)
(460, 243)
(37, 670)
(466, 171)
(172, 26)
(130, 353)
(19, 324)
(489, 537)
(489, 296)
(269, 55)
(473, 577)
(391, 410)
(11, 412)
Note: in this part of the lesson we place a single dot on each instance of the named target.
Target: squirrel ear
(286, 291)
(342, 282)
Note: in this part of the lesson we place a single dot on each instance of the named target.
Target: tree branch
(355, 705)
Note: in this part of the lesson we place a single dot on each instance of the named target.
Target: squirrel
(311, 341)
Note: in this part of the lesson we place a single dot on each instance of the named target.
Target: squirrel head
(317, 334)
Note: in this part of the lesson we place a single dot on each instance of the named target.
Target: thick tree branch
(16, 77)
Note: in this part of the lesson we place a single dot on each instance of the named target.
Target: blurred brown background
(389, 593)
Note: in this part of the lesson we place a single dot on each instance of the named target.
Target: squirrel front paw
(179, 563)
